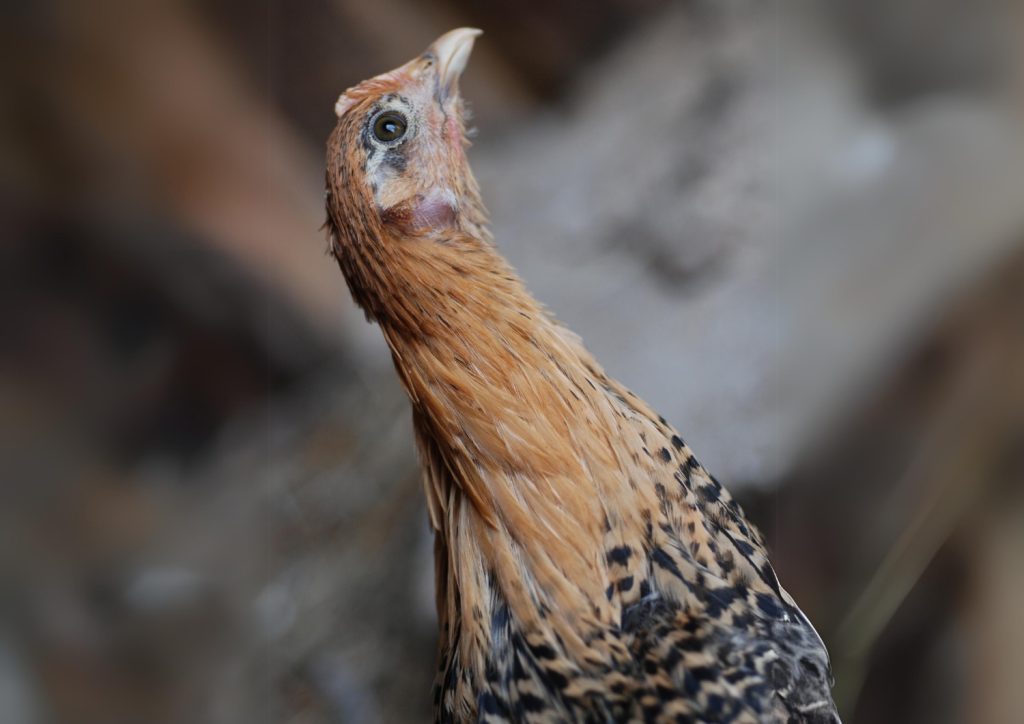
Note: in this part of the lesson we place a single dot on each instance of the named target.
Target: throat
(531, 455)
(515, 407)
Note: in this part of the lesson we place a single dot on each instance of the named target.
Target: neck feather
(529, 448)
(534, 459)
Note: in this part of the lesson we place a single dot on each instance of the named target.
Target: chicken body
(588, 567)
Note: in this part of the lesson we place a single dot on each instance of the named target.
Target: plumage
(588, 567)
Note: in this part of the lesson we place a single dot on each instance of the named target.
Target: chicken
(588, 568)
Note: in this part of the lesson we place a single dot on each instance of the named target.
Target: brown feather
(562, 504)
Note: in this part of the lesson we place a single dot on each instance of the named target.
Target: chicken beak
(451, 53)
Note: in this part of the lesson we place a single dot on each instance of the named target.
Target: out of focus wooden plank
(162, 118)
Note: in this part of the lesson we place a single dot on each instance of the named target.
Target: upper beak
(451, 53)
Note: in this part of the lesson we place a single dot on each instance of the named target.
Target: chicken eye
(389, 126)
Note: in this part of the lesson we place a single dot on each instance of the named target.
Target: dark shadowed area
(796, 229)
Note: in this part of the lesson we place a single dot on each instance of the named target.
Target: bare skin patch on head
(436, 210)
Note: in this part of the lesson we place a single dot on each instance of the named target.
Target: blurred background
(796, 228)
